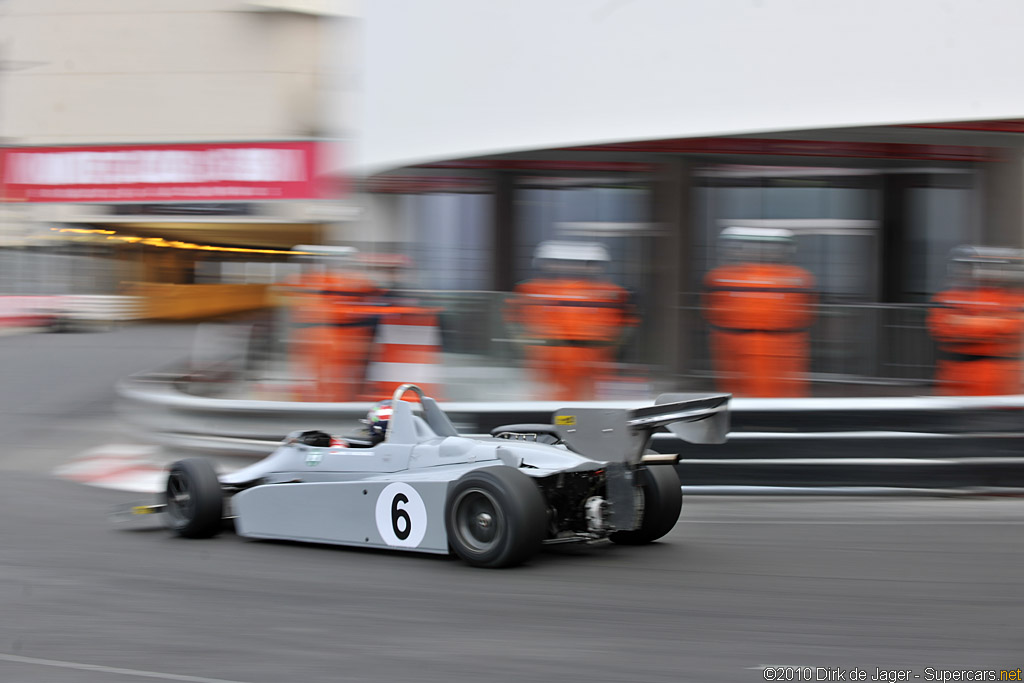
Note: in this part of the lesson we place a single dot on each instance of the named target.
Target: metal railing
(856, 349)
(865, 347)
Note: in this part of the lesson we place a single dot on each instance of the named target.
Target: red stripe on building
(814, 148)
(235, 171)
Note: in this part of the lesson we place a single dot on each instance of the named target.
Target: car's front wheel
(495, 517)
(194, 499)
(663, 501)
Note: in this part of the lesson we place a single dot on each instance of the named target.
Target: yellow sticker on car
(566, 420)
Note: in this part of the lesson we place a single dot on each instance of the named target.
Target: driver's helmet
(378, 417)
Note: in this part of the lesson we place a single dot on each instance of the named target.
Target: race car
(493, 501)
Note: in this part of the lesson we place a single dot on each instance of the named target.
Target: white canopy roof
(448, 79)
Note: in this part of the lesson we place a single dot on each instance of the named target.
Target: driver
(376, 422)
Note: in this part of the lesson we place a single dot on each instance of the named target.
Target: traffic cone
(407, 350)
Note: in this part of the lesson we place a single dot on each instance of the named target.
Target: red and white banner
(245, 171)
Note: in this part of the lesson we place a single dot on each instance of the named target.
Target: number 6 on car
(401, 516)
(492, 501)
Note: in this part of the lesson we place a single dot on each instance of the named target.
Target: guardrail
(914, 443)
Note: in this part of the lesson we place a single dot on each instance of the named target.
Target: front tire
(495, 517)
(194, 499)
(663, 501)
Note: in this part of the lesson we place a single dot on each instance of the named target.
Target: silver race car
(493, 500)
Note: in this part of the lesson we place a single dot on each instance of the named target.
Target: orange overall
(759, 315)
(979, 335)
(574, 327)
(335, 319)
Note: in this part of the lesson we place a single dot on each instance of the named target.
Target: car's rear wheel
(663, 501)
(495, 517)
(194, 499)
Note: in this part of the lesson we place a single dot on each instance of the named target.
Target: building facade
(880, 135)
(168, 138)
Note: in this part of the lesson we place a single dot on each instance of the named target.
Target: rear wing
(623, 435)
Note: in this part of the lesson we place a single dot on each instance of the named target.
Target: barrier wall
(913, 443)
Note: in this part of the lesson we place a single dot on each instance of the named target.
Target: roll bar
(435, 417)
(400, 391)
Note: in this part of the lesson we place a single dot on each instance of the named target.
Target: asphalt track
(740, 584)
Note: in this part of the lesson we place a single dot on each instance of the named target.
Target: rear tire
(495, 517)
(663, 501)
(194, 499)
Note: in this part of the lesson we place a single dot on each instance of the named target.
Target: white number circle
(401, 516)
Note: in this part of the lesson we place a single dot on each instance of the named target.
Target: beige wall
(124, 71)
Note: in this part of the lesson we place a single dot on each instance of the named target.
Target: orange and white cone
(407, 350)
